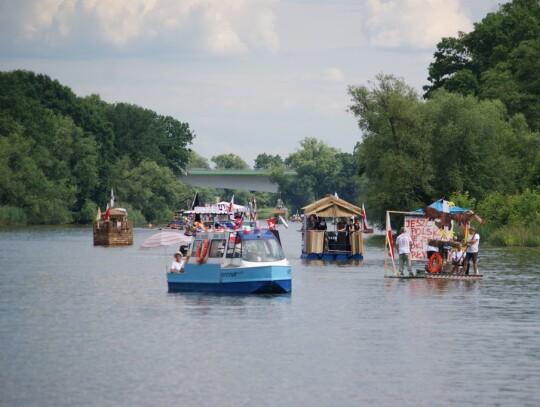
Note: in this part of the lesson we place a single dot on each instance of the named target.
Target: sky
(248, 76)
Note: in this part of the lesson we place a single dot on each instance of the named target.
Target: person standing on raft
(404, 243)
(472, 251)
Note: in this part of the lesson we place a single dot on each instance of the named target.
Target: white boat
(234, 262)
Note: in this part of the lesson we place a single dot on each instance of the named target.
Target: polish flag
(364, 220)
(389, 241)
(231, 205)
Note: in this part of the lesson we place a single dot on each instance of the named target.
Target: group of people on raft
(340, 239)
(461, 256)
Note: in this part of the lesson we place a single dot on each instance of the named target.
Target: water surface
(83, 325)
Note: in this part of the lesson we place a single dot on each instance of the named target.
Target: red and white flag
(389, 241)
(231, 205)
(271, 222)
(364, 218)
(107, 213)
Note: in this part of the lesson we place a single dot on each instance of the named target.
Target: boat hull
(271, 279)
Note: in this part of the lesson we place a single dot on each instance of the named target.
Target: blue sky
(249, 76)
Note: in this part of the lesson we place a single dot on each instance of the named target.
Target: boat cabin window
(262, 250)
(217, 248)
(234, 250)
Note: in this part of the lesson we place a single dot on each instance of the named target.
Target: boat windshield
(262, 250)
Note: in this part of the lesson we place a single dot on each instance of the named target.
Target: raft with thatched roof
(320, 242)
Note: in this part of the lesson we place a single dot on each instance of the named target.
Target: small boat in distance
(113, 229)
(230, 261)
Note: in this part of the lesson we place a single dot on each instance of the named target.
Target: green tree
(499, 59)
(265, 161)
(144, 135)
(470, 145)
(197, 161)
(59, 153)
(150, 189)
(396, 146)
(229, 162)
(317, 167)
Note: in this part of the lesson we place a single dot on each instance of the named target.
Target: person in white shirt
(177, 265)
(473, 241)
(458, 256)
(404, 243)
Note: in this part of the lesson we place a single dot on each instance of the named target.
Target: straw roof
(332, 207)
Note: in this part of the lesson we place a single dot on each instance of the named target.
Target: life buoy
(202, 251)
(435, 263)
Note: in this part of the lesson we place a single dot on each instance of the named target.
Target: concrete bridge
(249, 180)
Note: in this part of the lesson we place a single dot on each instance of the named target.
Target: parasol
(166, 239)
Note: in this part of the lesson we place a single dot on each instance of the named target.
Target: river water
(92, 326)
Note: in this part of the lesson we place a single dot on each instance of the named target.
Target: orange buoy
(435, 263)
(202, 251)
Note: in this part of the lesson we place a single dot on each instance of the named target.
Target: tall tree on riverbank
(499, 59)
(317, 166)
(59, 152)
(396, 143)
(414, 152)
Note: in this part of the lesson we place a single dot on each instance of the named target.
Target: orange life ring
(435, 258)
(202, 251)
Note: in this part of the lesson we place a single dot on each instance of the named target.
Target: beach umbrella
(163, 239)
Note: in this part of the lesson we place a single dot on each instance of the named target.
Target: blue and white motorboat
(232, 261)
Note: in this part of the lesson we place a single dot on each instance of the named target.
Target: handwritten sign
(421, 230)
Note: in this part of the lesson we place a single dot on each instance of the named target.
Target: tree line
(60, 155)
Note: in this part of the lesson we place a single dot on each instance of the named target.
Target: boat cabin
(329, 231)
(228, 247)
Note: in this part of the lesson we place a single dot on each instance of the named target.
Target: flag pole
(389, 246)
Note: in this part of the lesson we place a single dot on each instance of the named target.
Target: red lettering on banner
(421, 231)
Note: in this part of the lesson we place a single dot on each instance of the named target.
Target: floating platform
(332, 256)
(407, 277)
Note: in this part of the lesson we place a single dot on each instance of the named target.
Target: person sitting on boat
(457, 256)
(177, 265)
(321, 224)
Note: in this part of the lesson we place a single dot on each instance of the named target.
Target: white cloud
(220, 27)
(249, 76)
(412, 23)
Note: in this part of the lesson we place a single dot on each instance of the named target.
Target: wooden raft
(454, 276)
(115, 231)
